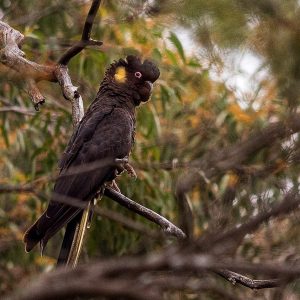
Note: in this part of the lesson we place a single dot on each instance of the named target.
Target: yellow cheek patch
(120, 75)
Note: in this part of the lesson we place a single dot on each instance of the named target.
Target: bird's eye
(138, 74)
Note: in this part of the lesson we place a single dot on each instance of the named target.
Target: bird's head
(135, 76)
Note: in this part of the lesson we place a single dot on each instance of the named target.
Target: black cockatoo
(105, 133)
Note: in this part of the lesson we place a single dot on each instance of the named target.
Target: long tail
(49, 223)
(73, 239)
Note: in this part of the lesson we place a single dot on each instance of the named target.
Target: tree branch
(231, 157)
(284, 207)
(13, 57)
(34, 93)
(85, 37)
(147, 213)
(18, 110)
(224, 240)
(108, 274)
(70, 92)
(248, 282)
(167, 226)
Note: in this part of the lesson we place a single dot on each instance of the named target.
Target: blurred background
(228, 69)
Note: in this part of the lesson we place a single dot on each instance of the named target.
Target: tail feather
(31, 237)
(68, 240)
(47, 225)
(65, 217)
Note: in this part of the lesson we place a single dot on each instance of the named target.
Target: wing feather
(100, 136)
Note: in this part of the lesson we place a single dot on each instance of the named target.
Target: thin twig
(257, 284)
(86, 34)
(290, 203)
(18, 110)
(34, 93)
(227, 159)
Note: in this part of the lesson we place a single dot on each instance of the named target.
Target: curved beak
(150, 84)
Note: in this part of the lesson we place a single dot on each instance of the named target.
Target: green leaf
(176, 42)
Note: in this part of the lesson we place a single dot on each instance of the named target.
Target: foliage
(190, 115)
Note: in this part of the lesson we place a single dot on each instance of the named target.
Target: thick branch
(13, 57)
(170, 262)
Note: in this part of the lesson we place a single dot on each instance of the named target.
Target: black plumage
(105, 133)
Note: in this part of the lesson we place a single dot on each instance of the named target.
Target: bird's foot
(130, 170)
(114, 186)
(124, 165)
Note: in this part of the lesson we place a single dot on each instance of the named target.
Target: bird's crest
(119, 69)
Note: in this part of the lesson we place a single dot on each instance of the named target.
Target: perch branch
(111, 215)
(168, 227)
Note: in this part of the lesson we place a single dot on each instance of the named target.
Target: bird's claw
(124, 165)
(114, 186)
(130, 170)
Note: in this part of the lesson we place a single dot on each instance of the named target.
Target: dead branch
(17, 109)
(13, 57)
(16, 189)
(108, 274)
(70, 93)
(34, 93)
(248, 282)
